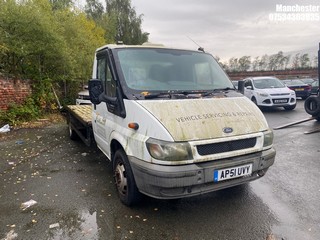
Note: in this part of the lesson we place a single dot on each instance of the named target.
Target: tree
(296, 61)
(255, 64)
(233, 64)
(286, 62)
(244, 63)
(263, 64)
(315, 62)
(81, 37)
(46, 45)
(272, 65)
(60, 4)
(305, 61)
(94, 10)
(128, 24)
(223, 65)
(279, 60)
(30, 37)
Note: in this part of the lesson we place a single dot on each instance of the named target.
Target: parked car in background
(307, 80)
(83, 97)
(315, 88)
(302, 89)
(269, 92)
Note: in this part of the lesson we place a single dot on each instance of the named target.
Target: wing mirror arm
(110, 100)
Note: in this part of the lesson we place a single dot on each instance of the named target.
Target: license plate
(299, 89)
(280, 101)
(233, 172)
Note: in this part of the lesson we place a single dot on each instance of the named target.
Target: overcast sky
(230, 28)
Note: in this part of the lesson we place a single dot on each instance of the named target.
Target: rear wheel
(124, 179)
(72, 134)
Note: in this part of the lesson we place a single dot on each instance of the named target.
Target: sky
(233, 28)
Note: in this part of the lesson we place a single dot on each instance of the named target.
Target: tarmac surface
(71, 195)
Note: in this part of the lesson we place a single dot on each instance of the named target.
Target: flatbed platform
(81, 112)
(79, 119)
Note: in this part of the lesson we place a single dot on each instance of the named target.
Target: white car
(269, 92)
(83, 97)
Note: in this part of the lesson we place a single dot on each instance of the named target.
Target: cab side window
(101, 70)
(247, 83)
(104, 74)
(110, 84)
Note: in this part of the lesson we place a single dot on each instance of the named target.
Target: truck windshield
(157, 69)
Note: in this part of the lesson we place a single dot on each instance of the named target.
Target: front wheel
(124, 179)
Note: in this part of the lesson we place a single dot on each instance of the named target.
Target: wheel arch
(115, 145)
(118, 141)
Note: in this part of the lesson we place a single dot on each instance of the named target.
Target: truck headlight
(169, 151)
(267, 138)
(262, 94)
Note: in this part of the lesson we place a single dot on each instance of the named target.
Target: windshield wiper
(224, 89)
(217, 90)
(156, 95)
(184, 93)
(174, 94)
(191, 92)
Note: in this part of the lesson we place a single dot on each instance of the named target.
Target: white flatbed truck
(171, 123)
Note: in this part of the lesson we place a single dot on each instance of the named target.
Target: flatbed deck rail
(79, 122)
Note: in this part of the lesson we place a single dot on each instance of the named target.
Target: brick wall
(13, 91)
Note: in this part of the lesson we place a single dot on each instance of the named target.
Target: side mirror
(249, 87)
(241, 86)
(95, 90)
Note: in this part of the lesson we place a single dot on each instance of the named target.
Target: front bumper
(80, 101)
(272, 102)
(169, 182)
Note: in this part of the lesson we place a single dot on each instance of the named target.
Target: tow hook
(261, 173)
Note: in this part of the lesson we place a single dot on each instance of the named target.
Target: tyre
(72, 134)
(254, 100)
(312, 105)
(289, 108)
(124, 179)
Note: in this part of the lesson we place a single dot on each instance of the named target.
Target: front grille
(222, 147)
(279, 94)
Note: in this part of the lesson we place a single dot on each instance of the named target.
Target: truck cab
(172, 123)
